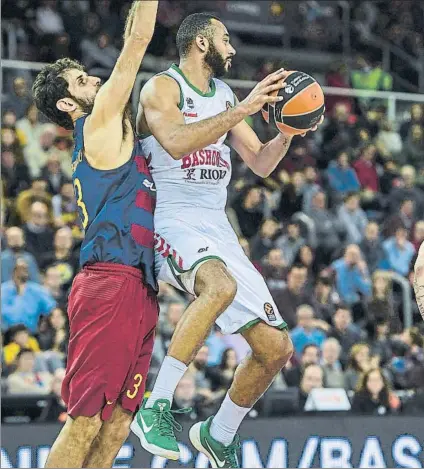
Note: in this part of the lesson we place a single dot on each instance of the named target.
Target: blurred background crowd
(335, 230)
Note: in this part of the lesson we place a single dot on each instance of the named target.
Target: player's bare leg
(154, 424)
(215, 289)
(271, 350)
(74, 441)
(110, 439)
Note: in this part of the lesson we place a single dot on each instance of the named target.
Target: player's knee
(119, 435)
(279, 351)
(283, 348)
(224, 291)
(214, 280)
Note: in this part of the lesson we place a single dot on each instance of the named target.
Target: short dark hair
(17, 328)
(297, 266)
(307, 346)
(190, 28)
(407, 199)
(350, 195)
(343, 307)
(50, 86)
(309, 365)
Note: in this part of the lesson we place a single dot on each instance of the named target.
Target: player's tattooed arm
(113, 96)
(419, 288)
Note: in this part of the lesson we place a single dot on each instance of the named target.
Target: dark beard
(87, 108)
(215, 61)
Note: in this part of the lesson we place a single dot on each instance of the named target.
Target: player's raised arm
(159, 102)
(115, 93)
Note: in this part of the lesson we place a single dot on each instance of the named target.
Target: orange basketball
(301, 108)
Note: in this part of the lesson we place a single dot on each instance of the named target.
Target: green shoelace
(166, 422)
(230, 453)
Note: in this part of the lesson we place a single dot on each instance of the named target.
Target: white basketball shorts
(186, 241)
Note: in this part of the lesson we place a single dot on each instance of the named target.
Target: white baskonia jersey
(198, 179)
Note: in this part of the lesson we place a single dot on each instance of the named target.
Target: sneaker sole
(194, 435)
(156, 450)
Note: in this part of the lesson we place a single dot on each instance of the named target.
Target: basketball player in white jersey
(183, 119)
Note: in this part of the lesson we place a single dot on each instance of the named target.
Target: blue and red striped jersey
(116, 209)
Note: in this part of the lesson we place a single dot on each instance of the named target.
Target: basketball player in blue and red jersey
(112, 305)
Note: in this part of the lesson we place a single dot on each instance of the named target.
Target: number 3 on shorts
(137, 382)
(80, 203)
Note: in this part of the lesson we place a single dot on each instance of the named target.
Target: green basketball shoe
(155, 428)
(218, 454)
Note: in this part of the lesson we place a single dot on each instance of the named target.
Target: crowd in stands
(333, 230)
(91, 31)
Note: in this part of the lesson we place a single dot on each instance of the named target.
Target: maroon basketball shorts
(112, 318)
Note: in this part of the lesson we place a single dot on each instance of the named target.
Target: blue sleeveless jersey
(116, 209)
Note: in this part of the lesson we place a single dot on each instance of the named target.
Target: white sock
(226, 422)
(169, 375)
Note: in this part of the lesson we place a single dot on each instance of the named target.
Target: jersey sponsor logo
(190, 175)
(149, 185)
(203, 249)
(204, 157)
(205, 176)
(228, 105)
(269, 311)
(190, 106)
(190, 103)
(212, 174)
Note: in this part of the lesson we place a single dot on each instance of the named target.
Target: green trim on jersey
(175, 267)
(212, 85)
(252, 323)
(172, 267)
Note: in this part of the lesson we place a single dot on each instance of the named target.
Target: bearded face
(219, 63)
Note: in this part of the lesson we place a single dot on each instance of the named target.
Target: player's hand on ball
(261, 92)
(315, 127)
